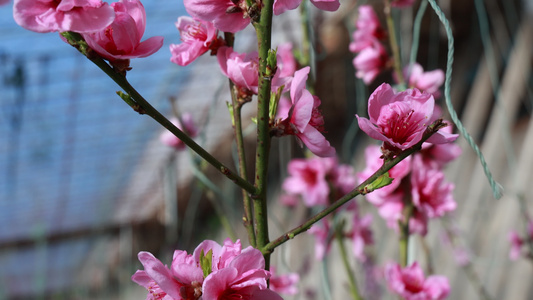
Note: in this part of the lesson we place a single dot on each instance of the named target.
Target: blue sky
(68, 142)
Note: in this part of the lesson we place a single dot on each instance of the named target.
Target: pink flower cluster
(518, 242)
(371, 56)
(211, 272)
(113, 31)
(420, 179)
(411, 284)
(400, 120)
(319, 181)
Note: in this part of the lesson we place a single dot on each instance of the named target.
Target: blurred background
(85, 183)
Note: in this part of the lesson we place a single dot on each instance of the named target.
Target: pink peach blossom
(226, 15)
(162, 283)
(319, 180)
(64, 15)
(343, 179)
(428, 82)
(154, 291)
(438, 155)
(233, 273)
(243, 70)
(372, 56)
(308, 179)
(284, 284)
(516, 245)
(400, 119)
(430, 192)
(389, 200)
(197, 38)
(281, 6)
(122, 39)
(368, 29)
(243, 277)
(370, 61)
(188, 126)
(284, 108)
(517, 241)
(390, 208)
(304, 118)
(411, 284)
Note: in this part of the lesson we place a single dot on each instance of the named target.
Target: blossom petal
(382, 95)
(249, 259)
(217, 282)
(441, 137)
(298, 83)
(159, 273)
(280, 6)
(148, 47)
(316, 142)
(302, 111)
(327, 5)
(370, 129)
(266, 294)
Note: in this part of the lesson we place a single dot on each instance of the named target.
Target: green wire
(495, 186)
(416, 38)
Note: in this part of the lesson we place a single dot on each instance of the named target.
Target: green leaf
(206, 262)
(380, 182)
(272, 62)
(274, 100)
(230, 109)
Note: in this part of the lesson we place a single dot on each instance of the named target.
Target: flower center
(193, 32)
(317, 120)
(412, 283)
(191, 292)
(309, 176)
(400, 123)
